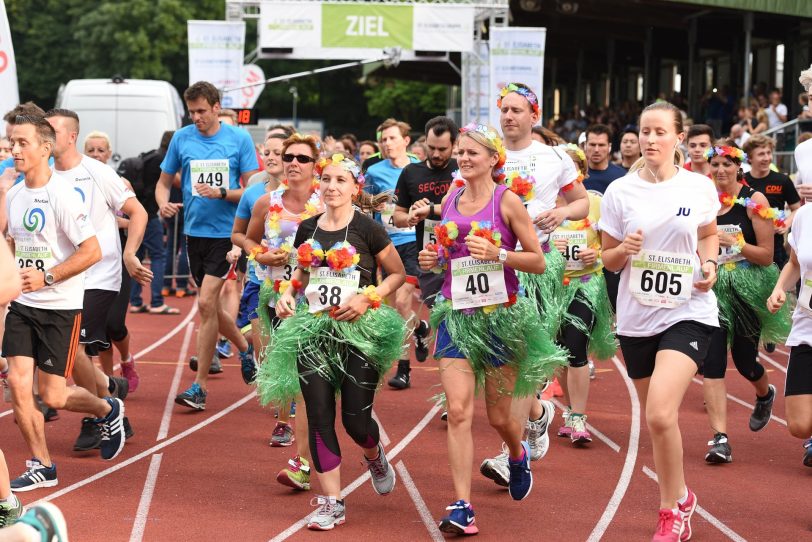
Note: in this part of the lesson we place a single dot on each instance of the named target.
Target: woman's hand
(481, 248)
(561, 245)
(776, 300)
(353, 309)
(588, 256)
(274, 258)
(286, 306)
(726, 240)
(427, 258)
(632, 244)
(709, 272)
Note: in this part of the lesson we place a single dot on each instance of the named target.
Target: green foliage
(412, 101)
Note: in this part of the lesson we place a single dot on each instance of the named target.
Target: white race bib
(661, 279)
(36, 256)
(284, 272)
(477, 283)
(726, 254)
(428, 232)
(330, 288)
(805, 296)
(576, 242)
(213, 173)
(388, 219)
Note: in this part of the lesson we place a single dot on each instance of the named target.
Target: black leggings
(573, 339)
(357, 394)
(743, 349)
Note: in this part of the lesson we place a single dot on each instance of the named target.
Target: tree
(411, 101)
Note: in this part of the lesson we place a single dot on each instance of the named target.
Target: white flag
(9, 93)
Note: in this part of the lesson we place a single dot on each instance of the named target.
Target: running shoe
(460, 519)
(762, 411)
(297, 475)
(521, 478)
(248, 366)
(719, 451)
(537, 431)
(421, 341)
(282, 435)
(89, 436)
(119, 387)
(496, 468)
(50, 414)
(808, 452)
(37, 476)
(669, 527)
(215, 368)
(293, 409)
(48, 521)
(444, 415)
(383, 475)
(10, 512)
(591, 370)
(580, 434)
(112, 430)
(128, 371)
(769, 347)
(224, 349)
(401, 379)
(194, 397)
(686, 511)
(128, 430)
(566, 429)
(329, 514)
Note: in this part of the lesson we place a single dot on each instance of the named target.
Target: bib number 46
(661, 282)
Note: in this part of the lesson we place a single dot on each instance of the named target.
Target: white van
(133, 112)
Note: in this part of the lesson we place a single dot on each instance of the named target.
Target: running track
(211, 475)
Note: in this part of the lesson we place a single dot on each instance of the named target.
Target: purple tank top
(491, 213)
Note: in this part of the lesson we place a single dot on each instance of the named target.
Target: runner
(10, 287)
(666, 311)
(485, 333)
(537, 173)
(745, 281)
(699, 139)
(629, 148)
(272, 154)
(335, 343)
(54, 243)
(212, 157)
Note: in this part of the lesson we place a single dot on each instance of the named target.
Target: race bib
(38, 257)
(576, 242)
(477, 283)
(388, 219)
(284, 272)
(330, 288)
(428, 232)
(805, 295)
(661, 279)
(726, 254)
(213, 173)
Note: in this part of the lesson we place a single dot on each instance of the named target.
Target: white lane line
(146, 499)
(296, 527)
(710, 518)
(163, 430)
(746, 404)
(772, 362)
(592, 429)
(782, 350)
(150, 451)
(628, 464)
(381, 431)
(6, 413)
(422, 509)
(169, 335)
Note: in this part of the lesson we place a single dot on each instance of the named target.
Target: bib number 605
(660, 282)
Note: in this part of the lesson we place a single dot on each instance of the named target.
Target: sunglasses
(301, 158)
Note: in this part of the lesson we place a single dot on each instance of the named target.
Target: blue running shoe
(247, 364)
(808, 452)
(224, 349)
(112, 430)
(293, 409)
(460, 519)
(521, 479)
(36, 476)
(194, 397)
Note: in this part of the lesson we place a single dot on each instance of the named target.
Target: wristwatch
(223, 193)
(49, 278)
(502, 255)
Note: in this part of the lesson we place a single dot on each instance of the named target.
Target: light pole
(295, 95)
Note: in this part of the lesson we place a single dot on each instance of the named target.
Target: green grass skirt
(591, 290)
(546, 292)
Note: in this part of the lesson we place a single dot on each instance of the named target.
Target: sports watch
(223, 193)
(502, 255)
(49, 278)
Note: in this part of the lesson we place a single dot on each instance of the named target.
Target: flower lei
(342, 257)
(767, 213)
(521, 186)
(310, 254)
(457, 180)
(570, 186)
(485, 230)
(281, 286)
(446, 233)
(579, 224)
(528, 94)
(372, 294)
(734, 153)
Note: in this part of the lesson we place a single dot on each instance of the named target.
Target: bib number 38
(661, 279)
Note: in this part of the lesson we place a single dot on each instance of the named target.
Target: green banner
(366, 26)
(798, 8)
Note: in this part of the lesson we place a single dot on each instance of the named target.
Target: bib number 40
(661, 282)
(477, 284)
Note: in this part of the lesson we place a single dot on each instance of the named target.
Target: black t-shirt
(367, 236)
(737, 215)
(418, 181)
(150, 175)
(777, 187)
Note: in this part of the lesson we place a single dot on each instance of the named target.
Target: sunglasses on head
(301, 158)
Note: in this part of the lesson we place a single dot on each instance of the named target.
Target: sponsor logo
(81, 194)
(683, 211)
(34, 219)
(694, 345)
(48, 362)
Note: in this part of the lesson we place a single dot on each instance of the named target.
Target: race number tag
(388, 219)
(661, 279)
(726, 254)
(330, 288)
(38, 257)
(477, 283)
(213, 173)
(576, 242)
(428, 232)
(805, 296)
(284, 272)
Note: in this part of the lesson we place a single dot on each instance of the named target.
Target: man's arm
(135, 235)
(162, 189)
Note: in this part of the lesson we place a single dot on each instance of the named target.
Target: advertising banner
(9, 91)
(516, 56)
(216, 50)
(251, 74)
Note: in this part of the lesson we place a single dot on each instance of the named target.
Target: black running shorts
(95, 311)
(799, 371)
(207, 256)
(688, 337)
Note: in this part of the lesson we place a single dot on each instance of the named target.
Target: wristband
(737, 248)
(371, 293)
(223, 193)
(714, 262)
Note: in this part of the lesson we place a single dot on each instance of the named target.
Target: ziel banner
(517, 56)
(216, 50)
(362, 30)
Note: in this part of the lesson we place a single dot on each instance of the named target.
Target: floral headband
(576, 149)
(344, 163)
(734, 153)
(529, 95)
(491, 135)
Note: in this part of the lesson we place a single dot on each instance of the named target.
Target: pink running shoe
(128, 371)
(669, 527)
(566, 429)
(686, 511)
(579, 434)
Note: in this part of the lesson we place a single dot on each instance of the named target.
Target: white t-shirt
(800, 239)
(47, 224)
(773, 117)
(668, 214)
(803, 158)
(102, 193)
(552, 169)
